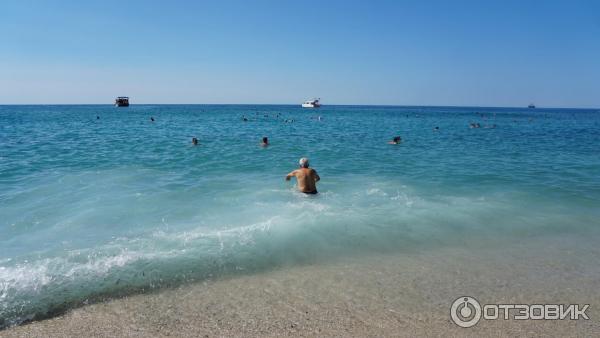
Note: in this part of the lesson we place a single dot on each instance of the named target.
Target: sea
(99, 202)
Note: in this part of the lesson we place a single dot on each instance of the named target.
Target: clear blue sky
(500, 53)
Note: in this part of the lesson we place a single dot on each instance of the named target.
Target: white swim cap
(303, 162)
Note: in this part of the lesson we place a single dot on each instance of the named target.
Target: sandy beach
(374, 295)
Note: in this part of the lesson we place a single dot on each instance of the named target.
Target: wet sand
(400, 294)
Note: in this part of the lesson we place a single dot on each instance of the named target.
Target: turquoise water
(94, 208)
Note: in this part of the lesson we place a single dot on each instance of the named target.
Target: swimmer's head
(265, 140)
(397, 139)
(303, 162)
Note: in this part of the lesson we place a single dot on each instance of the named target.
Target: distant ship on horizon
(531, 105)
(314, 103)
(122, 101)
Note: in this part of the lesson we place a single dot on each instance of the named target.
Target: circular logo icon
(465, 311)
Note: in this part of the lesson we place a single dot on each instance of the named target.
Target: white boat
(314, 103)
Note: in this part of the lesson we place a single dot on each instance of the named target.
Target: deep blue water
(93, 208)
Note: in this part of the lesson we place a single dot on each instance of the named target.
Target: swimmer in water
(395, 140)
(265, 142)
(307, 177)
(194, 141)
(151, 118)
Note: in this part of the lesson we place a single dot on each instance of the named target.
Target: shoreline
(400, 294)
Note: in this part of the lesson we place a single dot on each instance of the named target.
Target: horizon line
(291, 104)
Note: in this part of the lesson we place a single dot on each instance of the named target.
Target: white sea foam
(25, 276)
(376, 191)
(33, 276)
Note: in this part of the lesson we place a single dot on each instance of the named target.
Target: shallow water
(92, 207)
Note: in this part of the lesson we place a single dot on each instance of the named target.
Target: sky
(461, 53)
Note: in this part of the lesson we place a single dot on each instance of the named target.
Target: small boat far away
(531, 105)
(314, 103)
(122, 101)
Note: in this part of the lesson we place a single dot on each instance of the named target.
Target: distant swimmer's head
(395, 140)
(265, 140)
(194, 141)
(303, 162)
